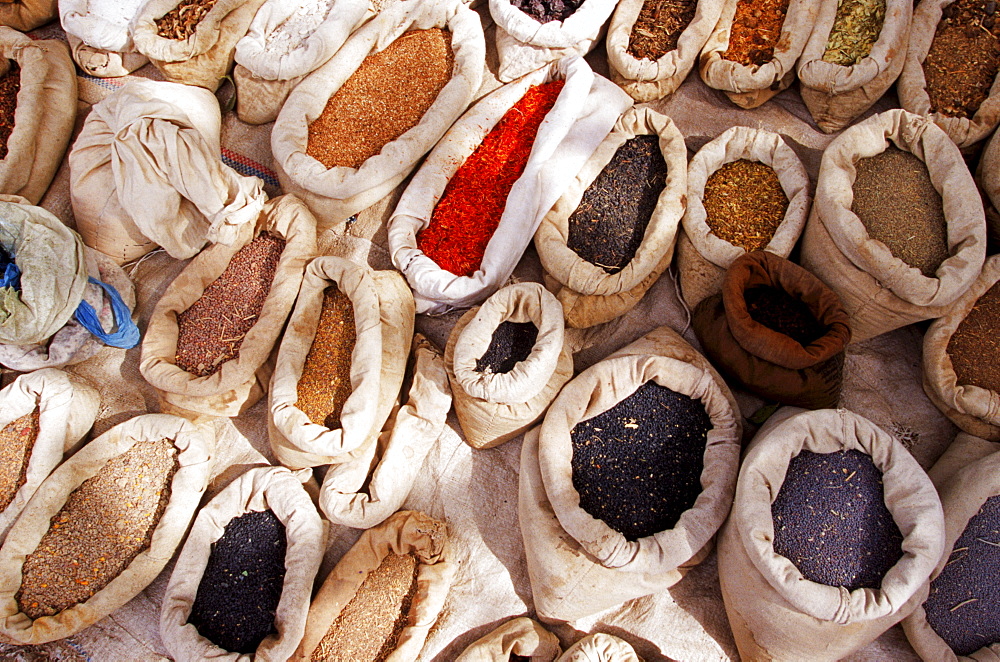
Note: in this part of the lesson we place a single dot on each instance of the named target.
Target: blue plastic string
(127, 335)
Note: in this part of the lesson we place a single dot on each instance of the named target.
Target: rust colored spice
(974, 348)
(16, 441)
(755, 31)
(181, 21)
(964, 58)
(744, 204)
(470, 209)
(325, 383)
(659, 26)
(10, 85)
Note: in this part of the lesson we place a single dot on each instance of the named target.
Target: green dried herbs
(855, 30)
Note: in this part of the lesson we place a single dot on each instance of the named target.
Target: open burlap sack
(205, 57)
(749, 86)
(577, 564)
(912, 86)
(766, 362)
(775, 612)
(703, 256)
(335, 194)
(836, 94)
(364, 492)
(524, 44)
(25, 15)
(383, 322)
(988, 179)
(100, 42)
(46, 110)
(279, 50)
(195, 448)
(880, 292)
(519, 636)
(67, 406)
(590, 295)
(583, 114)
(600, 647)
(265, 488)
(241, 381)
(406, 532)
(649, 80)
(493, 408)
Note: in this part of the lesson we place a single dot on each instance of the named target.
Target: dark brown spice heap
(514, 657)
(10, 85)
(610, 222)
(659, 26)
(16, 441)
(964, 57)
(780, 311)
(974, 348)
(181, 21)
(544, 11)
(511, 343)
(325, 383)
(745, 204)
(105, 523)
(755, 31)
(212, 329)
(899, 206)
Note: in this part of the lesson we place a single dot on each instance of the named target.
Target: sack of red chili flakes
(469, 213)
(99, 38)
(25, 15)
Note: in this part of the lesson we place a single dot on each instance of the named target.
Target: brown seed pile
(964, 57)
(16, 441)
(368, 628)
(974, 348)
(104, 524)
(10, 85)
(212, 329)
(325, 384)
(899, 206)
(855, 30)
(745, 203)
(755, 31)
(659, 26)
(181, 21)
(384, 98)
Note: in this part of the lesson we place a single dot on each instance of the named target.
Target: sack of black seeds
(814, 571)
(519, 636)
(242, 585)
(101, 527)
(530, 35)
(331, 145)
(131, 180)
(625, 483)
(747, 190)
(600, 647)
(285, 43)
(606, 241)
(507, 360)
(777, 331)
(943, 254)
(98, 35)
(25, 15)
(650, 56)
(213, 330)
(748, 71)
(43, 415)
(843, 69)
(384, 594)
(340, 364)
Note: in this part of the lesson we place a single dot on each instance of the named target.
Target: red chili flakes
(10, 85)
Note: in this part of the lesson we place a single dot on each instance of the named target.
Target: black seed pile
(964, 603)
(511, 344)
(780, 311)
(239, 592)
(637, 466)
(831, 521)
(544, 11)
(609, 223)
(514, 657)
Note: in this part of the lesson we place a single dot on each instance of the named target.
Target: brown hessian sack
(25, 15)
(518, 636)
(988, 179)
(775, 612)
(703, 256)
(600, 647)
(194, 448)
(765, 361)
(588, 293)
(577, 564)
(99, 37)
(493, 408)
(260, 489)
(879, 291)
(836, 94)
(383, 320)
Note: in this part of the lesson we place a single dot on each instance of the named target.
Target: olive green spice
(855, 30)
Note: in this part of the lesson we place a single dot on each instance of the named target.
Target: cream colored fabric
(964, 450)
(259, 100)
(103, 63)
(600, 647)
(518, 636)
(100, 44)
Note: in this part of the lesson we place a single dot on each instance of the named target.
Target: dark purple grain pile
(511, 343)
(514, 657)
(239, 592)
(544, 11)
(964, 603)
(831, 521)
(780, 311)
(637, 466)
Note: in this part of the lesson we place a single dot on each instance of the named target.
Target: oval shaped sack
(649, 79)
(130, 170)
(577, 564)
(273, 489)
(336, 193)
(879, 291)
(25, 15)
(703, 256)
(966, 449)
(92, 530)
(519, 636)
(237, 384)
(775, 612)
(600, 647)
(759, 357)
(591, 294)
(494, 407)
(99, 38)
(383, 322)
